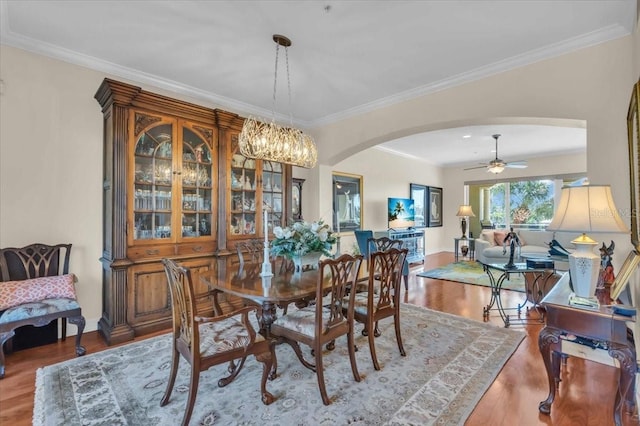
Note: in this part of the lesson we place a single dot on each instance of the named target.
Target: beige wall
(51, 144)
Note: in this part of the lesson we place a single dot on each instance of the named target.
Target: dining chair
(384, 244)
(208, 341)
(250, 251)
(381, 298)
(323, 322)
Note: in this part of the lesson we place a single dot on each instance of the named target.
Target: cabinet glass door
(197, 175)
(244, 200)
(272, 192)
(152, 183)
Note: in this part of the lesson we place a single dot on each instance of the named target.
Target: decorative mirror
(347, 202)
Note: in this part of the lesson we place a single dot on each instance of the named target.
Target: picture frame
(296, 199)
(633, 129)
(435, 206)
(628, 267)
(347, 202)
(418, 193)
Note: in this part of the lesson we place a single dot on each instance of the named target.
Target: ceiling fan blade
(517, 165)
(477, 167)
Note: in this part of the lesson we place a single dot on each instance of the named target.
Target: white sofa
(532, 242)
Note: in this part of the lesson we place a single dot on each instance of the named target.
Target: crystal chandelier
(272, 142)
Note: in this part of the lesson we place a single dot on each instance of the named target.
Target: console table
(602, 326)
(412, 239)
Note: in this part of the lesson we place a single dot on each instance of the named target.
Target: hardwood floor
(585, 396)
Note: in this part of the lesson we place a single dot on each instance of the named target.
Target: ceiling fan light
(495, 169)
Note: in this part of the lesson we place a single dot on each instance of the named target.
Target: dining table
(268, 293)
(280, 290)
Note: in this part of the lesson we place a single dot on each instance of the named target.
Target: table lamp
(463, 211)
(586, 209)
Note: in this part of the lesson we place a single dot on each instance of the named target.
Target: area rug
(471, 272)
(450, 363)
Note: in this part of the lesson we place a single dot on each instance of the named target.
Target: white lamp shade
(465, 210)
(588, 209)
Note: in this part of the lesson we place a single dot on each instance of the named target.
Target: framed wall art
(633, 128)
(296, 199)
(418, 193)
(347, 202)
(435, 206)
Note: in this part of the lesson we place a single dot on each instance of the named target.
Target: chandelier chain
(286, 55)
(275, 85)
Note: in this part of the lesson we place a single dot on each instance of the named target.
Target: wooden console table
(609, 330)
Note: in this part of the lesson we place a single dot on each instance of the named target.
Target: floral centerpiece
(302, 238)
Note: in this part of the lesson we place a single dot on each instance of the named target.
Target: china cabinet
(175, 185)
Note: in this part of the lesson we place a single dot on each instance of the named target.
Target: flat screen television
(401, 213)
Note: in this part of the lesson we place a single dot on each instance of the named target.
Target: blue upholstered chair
(367, 244)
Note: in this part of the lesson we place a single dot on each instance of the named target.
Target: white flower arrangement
(302, 238)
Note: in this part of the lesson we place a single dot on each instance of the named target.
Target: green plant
(302, 238)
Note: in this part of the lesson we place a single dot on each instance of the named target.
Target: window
(524, 204)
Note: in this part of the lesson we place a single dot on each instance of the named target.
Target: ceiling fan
(497, 166)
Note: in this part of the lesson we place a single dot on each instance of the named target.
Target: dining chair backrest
(250, 251)
(342, 272)
(182, 302)
(385, 274)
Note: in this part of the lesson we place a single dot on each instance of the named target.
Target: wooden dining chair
(323, 322)
(208, 341)
(384, 244)
(382, 297)
(251, 251)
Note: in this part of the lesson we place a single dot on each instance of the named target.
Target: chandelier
(272, 142)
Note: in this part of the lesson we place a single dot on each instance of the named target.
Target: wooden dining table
(268, 293)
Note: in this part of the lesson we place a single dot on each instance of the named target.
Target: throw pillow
(14, 293)
(522, 241)
(499, 237)
(488, 236)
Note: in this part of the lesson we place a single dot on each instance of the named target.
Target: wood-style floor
(585, 396)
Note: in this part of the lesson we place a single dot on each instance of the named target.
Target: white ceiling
(347, 57)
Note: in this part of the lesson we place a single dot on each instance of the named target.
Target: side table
(471, 243)
(603, 326)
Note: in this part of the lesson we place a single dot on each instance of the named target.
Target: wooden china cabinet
(175, 185)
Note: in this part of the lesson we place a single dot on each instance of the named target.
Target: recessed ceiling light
(466, 136)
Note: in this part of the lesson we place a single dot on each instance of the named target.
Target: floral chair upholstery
(35, 289)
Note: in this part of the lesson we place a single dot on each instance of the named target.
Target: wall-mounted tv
(400, 212)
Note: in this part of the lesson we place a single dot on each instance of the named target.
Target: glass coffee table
(538, 282)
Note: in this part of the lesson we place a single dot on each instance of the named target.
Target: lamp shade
(587, 209)
(465, 210)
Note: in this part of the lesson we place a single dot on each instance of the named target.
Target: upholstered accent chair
(208, 341)
(35, 289)
(382, 296)
(324, 321)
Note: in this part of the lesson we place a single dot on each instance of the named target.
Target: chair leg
(372, 348)
(267, 359)
(175, 360)
(79, 322)
(234, 372)
(193, 392)
(320, 374)
(3, 338)
(396, 321)
(406, 282)
(352, 354)
(64, 329)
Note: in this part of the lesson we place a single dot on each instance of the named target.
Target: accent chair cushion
(15, 293)
(36, 309)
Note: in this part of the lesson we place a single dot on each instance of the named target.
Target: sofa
(489, 249)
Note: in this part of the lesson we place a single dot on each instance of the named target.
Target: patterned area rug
(450, 363)
(471, 272)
